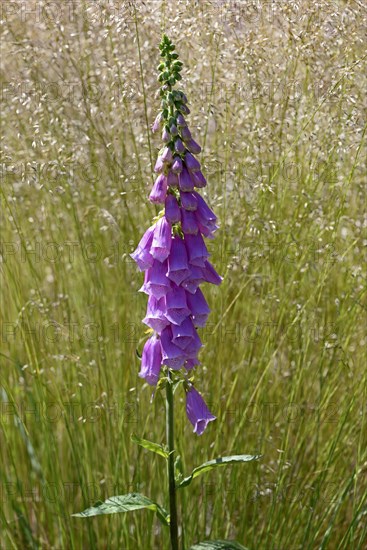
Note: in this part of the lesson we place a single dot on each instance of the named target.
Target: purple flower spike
(189, 201)
(196, 250)
(210, 275)
(172, 356)
(177, 165)
(172, 179)
(199, 179)
(197, 411)
(185, 181)
(159, 190)
(159, 165)
(185, 133)
(151, 361)
(157, 123)
(179, 146)
(172, 210)
(188, 222)
(178, 268)
(192, 163)
(167, 155)
(142, 255)
(183, 335)
(193, 146)
(193, 281)
(162, 240)
(181, 122)
(166, 136)
(176, 306)
(199, 308)
(155, 281)
(155, 317)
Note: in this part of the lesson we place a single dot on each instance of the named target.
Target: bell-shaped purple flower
(196, 249)
(185, 181)
(193, 281)
(188, 222)
(185, 133)
(151, 361)
(210, 275)
(199, 179)
(172, 179)
(188, 201)
(155, 281)
(185, 110)
(177, 165)
(178, 268)
(162, 240)
(142, 255)
(199, 308)
(172, 356)
(181, 122)
(166, 136)
(173, 130)
(155, 317)
(167, 155)
(183, 335)
(204, 211)
(157, 123)
(176, 309)
(197, 411)
(159, 190)
(159, 165)
(172, 210)
(193, 147)
(192, 163)
(179, 146)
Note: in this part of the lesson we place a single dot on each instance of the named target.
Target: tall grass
(280, 88)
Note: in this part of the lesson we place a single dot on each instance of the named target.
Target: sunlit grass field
(277, 99)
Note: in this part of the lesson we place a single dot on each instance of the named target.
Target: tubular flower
(172, 252)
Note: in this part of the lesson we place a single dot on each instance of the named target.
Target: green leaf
(218, 545)
(125, 503)
(150, 446)
(211, 464)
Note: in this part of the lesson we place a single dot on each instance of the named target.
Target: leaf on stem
(125, 503)
(211, 464)
(150, 446)
(218, 545)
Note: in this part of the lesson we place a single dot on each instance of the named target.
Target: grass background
(276, 92)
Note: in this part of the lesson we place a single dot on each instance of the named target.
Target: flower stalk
(171, 463)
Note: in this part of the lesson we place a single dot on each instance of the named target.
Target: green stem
(171, 463)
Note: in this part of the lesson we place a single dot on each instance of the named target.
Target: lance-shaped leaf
(211, 464)
(125, 503)
(150, 446)
(218, 545)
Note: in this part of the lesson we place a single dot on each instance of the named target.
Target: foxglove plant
(174, 258)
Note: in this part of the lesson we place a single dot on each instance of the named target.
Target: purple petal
(155, 317)
(142, 254)
(210, 275)
(183, 335)
(192, 163)
(188, 222)
(199, 308)
(192, 146)
(178, 268)
(193, 281)
(151, 361)
(176, 305)
(159, 191)
(172, 210)
(177, 165)
(197, 411)
(188, 201)
(196, 249)
(172, 179)
(185, 181)
(155, 281)
(162, 240)
(172, 356)
(179, 146)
